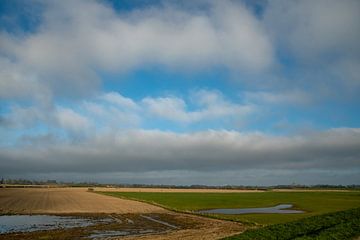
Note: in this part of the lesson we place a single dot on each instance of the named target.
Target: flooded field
(280, 209)
(30, 223)
(87, 227)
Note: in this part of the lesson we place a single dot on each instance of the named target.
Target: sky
(180, 92)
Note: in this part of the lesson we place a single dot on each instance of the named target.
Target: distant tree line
(21, 181)
(229, 187)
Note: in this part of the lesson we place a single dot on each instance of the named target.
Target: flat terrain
(129, 213)
(313, 203)
(174, 190)
(188, 227)
(121, 206)
(205, 229)
(66, 200)
(209, 190)
(338, 225)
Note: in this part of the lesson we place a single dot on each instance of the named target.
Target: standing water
(30, 223)
(281, 208)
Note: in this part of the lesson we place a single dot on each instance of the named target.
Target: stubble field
(66, 200)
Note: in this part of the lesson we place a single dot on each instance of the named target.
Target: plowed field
(66, 200)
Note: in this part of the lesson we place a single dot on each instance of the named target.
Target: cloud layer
(255, 68)
(150, 150)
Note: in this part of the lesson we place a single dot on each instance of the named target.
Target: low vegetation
(339, 225)
(313, 203)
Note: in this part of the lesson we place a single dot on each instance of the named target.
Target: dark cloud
(141, 151)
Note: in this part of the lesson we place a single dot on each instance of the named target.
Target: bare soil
(204, 229)
(180, 190)
(66, 200)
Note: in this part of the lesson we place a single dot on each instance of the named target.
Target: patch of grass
(314, 203)
(338, 225)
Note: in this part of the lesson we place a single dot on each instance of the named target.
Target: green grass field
(339, 225)
(314, 203)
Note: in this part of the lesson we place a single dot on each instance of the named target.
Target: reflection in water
(30, 223)
(281, 208)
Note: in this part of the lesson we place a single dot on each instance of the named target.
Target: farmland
(338, 225)
(109, 215)
(171, 207)
(313, 203)
(65, 200)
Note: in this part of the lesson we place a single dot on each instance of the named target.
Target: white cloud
(113, 111)
(71, 120)
(321, 34)
(54, 118)
(68, 47)
(18, 83)
(116, 98)
(212, 105)
(171, 108)
(111, 117)
(315, 28)
(292, 97)
(216, 105)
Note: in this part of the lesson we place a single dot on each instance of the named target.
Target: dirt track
(66, 200)
(205, 229)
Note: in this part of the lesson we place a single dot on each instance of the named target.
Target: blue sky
(257, 92)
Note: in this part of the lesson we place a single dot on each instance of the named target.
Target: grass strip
(337, 225)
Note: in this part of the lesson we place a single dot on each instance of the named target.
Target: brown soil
(181, 190)
(204, 229)
(66, 200)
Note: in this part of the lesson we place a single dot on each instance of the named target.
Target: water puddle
(96, 227)
(30, 223)
(281, 209)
